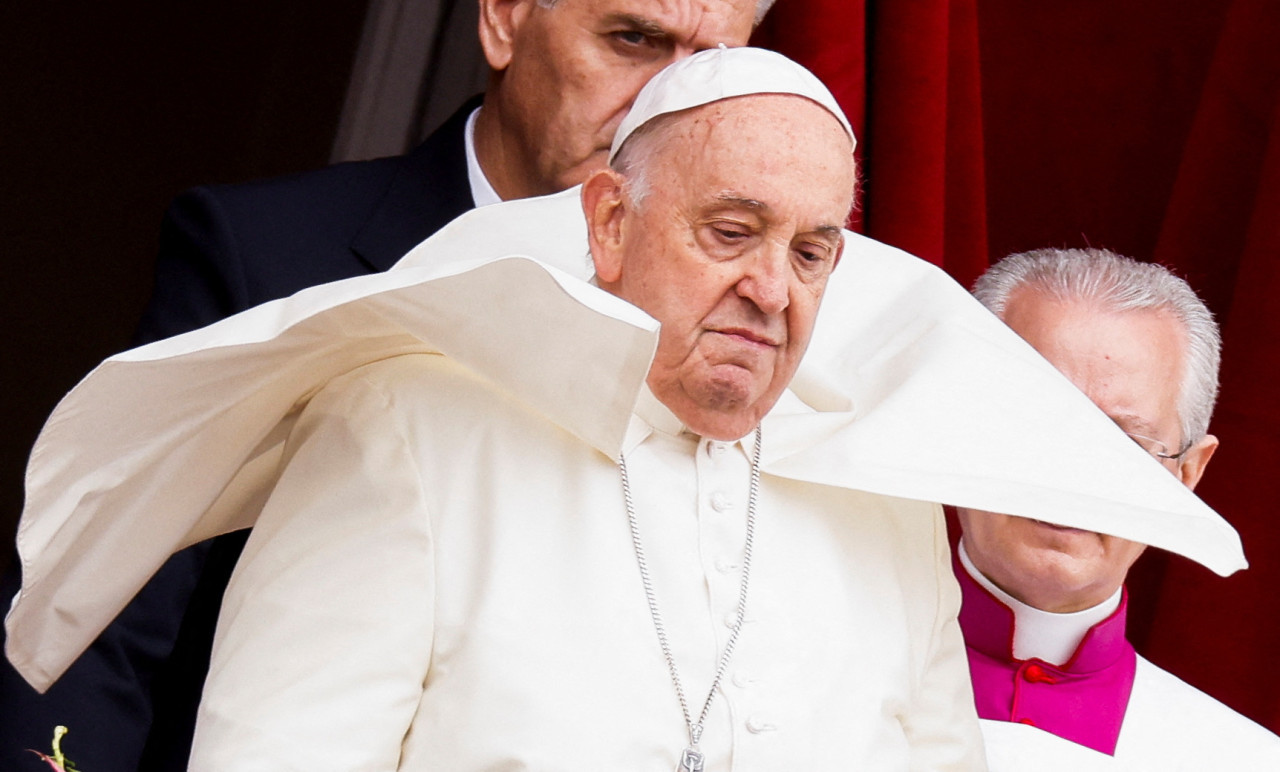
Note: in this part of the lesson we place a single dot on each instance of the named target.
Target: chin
(723, 405)
(1065, 573)
(718, 424)
(724, 425)
(1065, 552)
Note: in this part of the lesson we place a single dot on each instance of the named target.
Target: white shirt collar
(481, 191)
(651, 415)
(1039, 634)
(648, 416)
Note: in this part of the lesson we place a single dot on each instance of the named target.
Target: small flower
(57, 761)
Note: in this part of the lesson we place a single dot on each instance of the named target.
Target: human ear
(604, 207)
(500, 22)
(1192, 464)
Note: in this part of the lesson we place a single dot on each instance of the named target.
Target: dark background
(108, 110)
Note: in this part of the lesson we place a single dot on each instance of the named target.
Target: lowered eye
(730, 233)
(631, 38)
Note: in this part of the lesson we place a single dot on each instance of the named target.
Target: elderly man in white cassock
(547, 495)
(446, 578)
(508, 596)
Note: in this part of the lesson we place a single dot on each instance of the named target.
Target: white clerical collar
(658, 416)
(1039, 634)
(481, 191)
(651, 415)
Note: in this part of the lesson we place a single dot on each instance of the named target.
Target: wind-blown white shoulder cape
(916, 390)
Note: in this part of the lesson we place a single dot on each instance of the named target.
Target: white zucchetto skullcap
(721, 73)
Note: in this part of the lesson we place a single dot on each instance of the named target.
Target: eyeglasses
(1156, 447)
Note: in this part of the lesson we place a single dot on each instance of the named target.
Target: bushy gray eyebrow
(637, 24)
(834, 232)
(746, 203)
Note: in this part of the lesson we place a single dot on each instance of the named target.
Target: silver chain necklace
(691, 760)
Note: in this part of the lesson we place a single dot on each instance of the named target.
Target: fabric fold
(910, 389)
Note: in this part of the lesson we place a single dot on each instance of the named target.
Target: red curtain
(906, 73)
(1223, 227)
(1152, 128)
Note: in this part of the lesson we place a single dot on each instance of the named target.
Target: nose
(764, 281)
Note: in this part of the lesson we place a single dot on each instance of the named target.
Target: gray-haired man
(1044, 609)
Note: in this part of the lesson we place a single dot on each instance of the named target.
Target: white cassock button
(725, 565)
(715, 449)
(731, 619)
(742, 680)
(756, 725)
(719, 501)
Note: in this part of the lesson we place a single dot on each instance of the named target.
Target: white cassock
(910, 390)
(444, 579)
(1015, 747)
(1169, 726)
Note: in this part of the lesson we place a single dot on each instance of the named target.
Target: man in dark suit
(562, 76)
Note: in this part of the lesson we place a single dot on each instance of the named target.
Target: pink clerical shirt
(1083, 700)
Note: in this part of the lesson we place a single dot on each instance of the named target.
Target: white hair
(1119, 284)
(636, 156)
(762, 7)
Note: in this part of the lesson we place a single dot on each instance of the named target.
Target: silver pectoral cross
(690, 761)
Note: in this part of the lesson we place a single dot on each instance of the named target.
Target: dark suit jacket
(130, 700)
